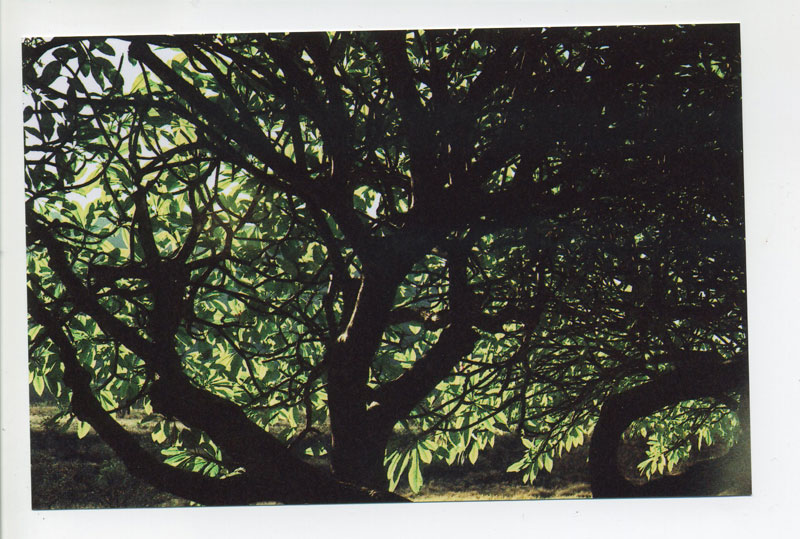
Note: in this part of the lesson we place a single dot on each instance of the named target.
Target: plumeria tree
(384, 249)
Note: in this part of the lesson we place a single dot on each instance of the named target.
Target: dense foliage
(384, 248)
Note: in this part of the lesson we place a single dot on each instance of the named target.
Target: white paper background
(771, 89)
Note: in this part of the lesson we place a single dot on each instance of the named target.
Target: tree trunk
(357, 441)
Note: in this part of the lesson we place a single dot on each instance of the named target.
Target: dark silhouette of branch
(696, 376)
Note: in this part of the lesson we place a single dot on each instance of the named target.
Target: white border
(771, 126)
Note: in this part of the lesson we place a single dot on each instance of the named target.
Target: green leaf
(517, 466)
(548, 462)
(97, 73)
(47, 124)
(158, 435)
(473, 453)
(414, 473)
(105, 48)
(424, 453)
(529, 444)
(64, 54)
(38, 384)
(394, 460)
(396, 472)
(50, 73)
(83, 429)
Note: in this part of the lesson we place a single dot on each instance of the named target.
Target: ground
(71, 473)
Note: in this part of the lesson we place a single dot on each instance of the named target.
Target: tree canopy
(387, 249)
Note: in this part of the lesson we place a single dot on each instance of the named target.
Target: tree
(388, 248)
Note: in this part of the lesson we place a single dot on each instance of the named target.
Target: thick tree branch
(340, 140)
(270, 464)
(397, 398)
(415, 121)
(140, 463)
(696, 376)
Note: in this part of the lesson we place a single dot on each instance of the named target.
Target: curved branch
(697, 376)
(397, 398)
(140, 463)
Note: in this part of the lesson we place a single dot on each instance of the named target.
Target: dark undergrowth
(72, 473)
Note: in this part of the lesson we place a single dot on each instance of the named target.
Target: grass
(72, 473)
